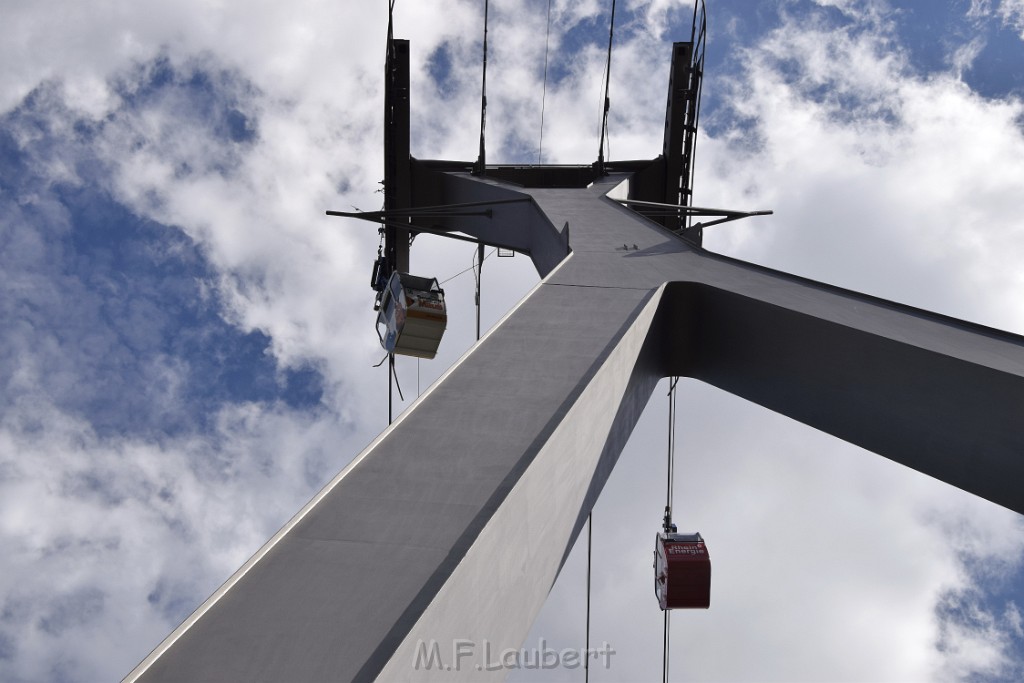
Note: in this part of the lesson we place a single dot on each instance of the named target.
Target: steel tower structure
(454, 523)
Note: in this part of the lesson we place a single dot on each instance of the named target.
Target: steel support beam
(455, 522)
(397, 185)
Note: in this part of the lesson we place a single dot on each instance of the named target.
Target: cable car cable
(392, 374)
(669, 491)
(395, 373)
(544, 92)
(482, 160)
(699, 42)
(665, 649)
(607, 102)
(479, 276)
(590, 538)
(391, 34)
(463, 272)
(670, 484)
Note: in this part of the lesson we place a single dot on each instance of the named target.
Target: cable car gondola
(682, 571)
(412, 315)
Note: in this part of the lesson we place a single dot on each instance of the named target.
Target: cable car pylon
(451, 527)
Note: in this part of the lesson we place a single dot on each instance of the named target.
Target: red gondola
(682, 571)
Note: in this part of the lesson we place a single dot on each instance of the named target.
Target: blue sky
(136, 284)
(188, 342)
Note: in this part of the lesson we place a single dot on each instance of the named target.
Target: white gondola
(412, 316)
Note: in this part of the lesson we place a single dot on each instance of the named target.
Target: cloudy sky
(187, 342)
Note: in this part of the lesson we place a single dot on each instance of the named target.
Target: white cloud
(112, 541)
(874, 166)
(1012, 14)
(881, 180)
(964, 56)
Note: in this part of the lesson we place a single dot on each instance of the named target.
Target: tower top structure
(453, 524)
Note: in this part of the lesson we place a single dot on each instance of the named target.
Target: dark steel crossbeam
(440, 232)
(692, 210)
(695, 231)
